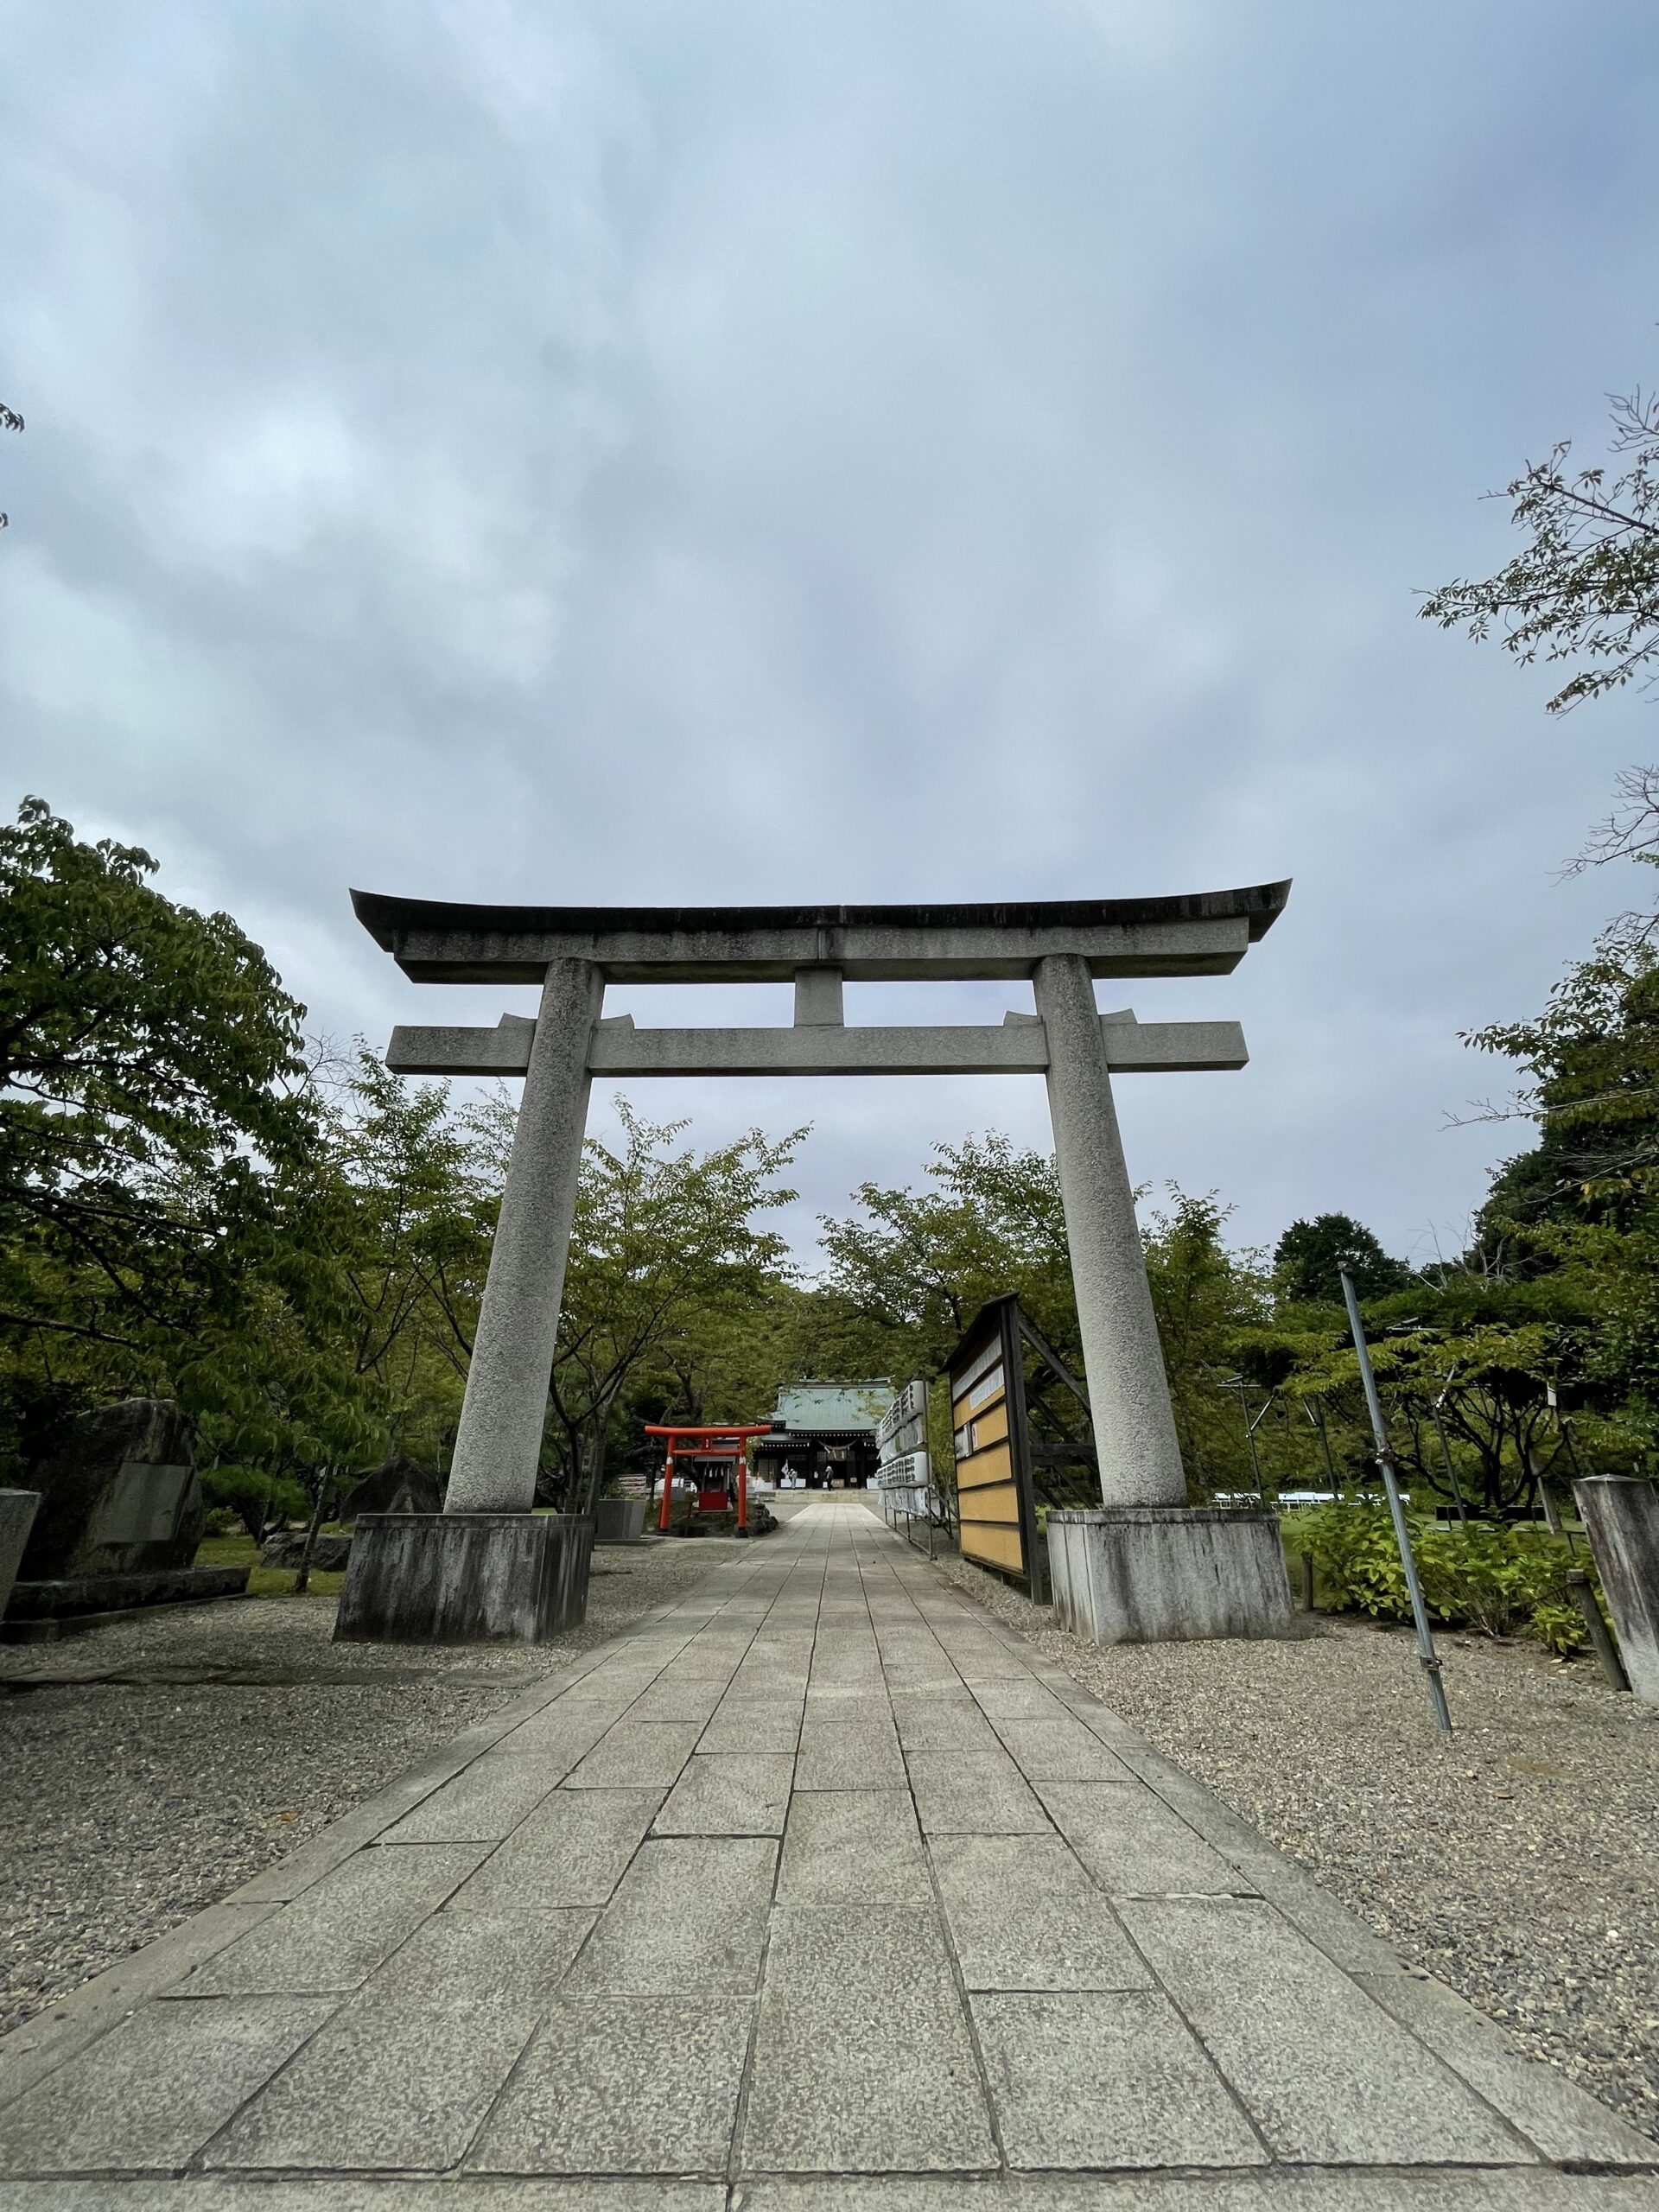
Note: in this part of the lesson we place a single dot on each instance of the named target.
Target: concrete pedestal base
(39, 1613)
(464, 1578)
(619, 1520)
(17, 1511)
(1168, 1573)
(1621, 1519)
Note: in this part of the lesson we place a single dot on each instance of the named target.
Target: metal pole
(1426, 1651)
(1324, 1447)
(1445, 1452)
(1249, 1438)
(1572, 1461)
(1551, 1518)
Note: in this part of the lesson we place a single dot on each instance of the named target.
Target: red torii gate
(724, 1442)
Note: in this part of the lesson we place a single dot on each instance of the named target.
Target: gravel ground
(152, 1765)
(1517, 1859)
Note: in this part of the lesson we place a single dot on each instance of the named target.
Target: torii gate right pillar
(1145, 1566)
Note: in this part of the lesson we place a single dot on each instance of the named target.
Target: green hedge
(1497, 1580)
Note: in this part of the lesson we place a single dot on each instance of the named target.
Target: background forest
(197, 1201)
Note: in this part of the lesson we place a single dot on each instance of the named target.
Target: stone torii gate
(484, 1568)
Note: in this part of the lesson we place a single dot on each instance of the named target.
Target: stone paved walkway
(811, 1892)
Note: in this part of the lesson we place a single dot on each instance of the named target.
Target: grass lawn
(240, 1550)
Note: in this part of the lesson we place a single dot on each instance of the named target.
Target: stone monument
(120, 1517)
(1056, 948)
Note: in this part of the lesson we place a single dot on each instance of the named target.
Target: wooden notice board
(1022, 1439)
(996, 1518)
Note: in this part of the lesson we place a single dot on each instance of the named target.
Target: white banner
(907, 1413)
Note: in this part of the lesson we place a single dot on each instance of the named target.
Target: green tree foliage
(1591, 1063)
(666, 1258)
(1585, 588)
(153, 1099)
(1307, 1258)
(1205, 1296)
(915, 1266)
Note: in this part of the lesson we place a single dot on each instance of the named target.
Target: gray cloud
(892, 450)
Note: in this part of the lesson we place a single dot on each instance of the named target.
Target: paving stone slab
(572, 1850)
(737, 1793)
(673, 1697)
(771, 1726)
(973, 1793)
(1132, 1845)
(865, 1683)
(1058, 1750)
(1322, 1918)
(425, 2046)
(1098, 1719)
(562, 1732)
(688, 1918)
(950, 1721)
(982, 1666)
(1326, 2073)
(421, 2076)
(1299, 2190)
(769, 1685)
(151, 2092)
(334, 1935)
(1014, 1696)
(1024, 1914)
(291, 1876)
(1563, 2121)
(848, 1755)
(1296, 2189)
(863, 2060)
(838, 1700)
(485, 1801)
(827, 1716)
(709, 1661)
(848, 1845)
(31, 2051)
(1084, 2078)
(636, 1755)
(615, 1687)
(624, 2085)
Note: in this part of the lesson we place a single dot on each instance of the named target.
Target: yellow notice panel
(989, 1426)
(997, 1502)
(998, 1546)
(992, 1466)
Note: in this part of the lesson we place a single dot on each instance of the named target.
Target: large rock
(118, 1494)
(328, 1554)
(400, 1486)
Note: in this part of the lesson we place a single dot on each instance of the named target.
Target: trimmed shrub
(1497, 1579)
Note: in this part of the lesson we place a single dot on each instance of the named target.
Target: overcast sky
(893, 450)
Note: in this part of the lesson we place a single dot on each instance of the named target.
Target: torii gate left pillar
(1144, 1564)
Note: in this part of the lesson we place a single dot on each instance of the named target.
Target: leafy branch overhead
(1585, 588)
(10, 420)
